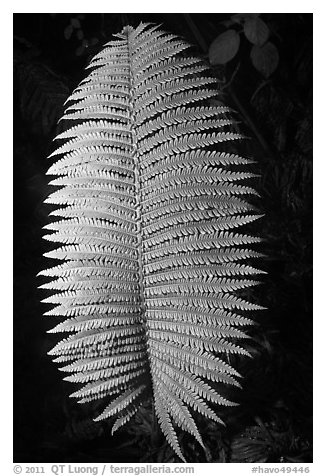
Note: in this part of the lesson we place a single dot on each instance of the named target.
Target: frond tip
(150, 208)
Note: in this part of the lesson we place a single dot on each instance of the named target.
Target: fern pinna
(147, 219)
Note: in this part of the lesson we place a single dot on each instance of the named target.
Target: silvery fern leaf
(150, 207)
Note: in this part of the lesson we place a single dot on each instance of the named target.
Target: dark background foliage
(273, 422)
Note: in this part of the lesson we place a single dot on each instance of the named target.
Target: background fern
(255, 392)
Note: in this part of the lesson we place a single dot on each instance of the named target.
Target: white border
(170, 6)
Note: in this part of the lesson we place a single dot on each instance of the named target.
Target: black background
(274, 420)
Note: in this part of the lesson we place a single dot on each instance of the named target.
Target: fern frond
(121, 402)
(125, 417)
(165, 422)
(180, 413)
(149, 208)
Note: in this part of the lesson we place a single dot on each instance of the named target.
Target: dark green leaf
(242, 17)
(224, 47)
(256, 31)
(265, 58)
(80, 34)
(68, 32)
(75, 23)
